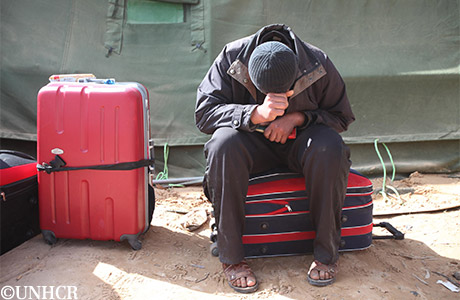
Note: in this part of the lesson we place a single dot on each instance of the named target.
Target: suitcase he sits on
(93, 155)
(18, 199)
(278, 221)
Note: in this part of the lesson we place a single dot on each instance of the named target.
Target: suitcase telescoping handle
(101, 81)
(152, 156)
(81, 78)
(395, 233)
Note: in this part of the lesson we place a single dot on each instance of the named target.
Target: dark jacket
(226, 97)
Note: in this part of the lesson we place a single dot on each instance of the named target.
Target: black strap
(58, 165)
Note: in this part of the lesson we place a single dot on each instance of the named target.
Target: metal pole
(184, 180)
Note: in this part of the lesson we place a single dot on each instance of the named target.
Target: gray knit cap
(273, 67)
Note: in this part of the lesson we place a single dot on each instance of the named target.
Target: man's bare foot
(240, 277)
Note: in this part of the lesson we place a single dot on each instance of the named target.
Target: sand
(175, 263)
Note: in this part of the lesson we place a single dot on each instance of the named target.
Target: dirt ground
(175, 263)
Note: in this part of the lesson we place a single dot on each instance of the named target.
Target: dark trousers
(318, 152)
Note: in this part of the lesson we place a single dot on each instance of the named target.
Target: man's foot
(321, 274)
(240, 277)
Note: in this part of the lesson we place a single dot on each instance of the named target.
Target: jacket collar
(310, 68)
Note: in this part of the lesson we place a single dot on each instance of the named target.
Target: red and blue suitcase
(278, 220)
(94, 156)
(18, 199)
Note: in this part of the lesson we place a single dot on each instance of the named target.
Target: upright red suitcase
(93, 150)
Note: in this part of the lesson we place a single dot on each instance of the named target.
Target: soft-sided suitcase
(19, 199)
(93, 155)
(278, 220)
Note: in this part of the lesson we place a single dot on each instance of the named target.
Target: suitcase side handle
(395, 233)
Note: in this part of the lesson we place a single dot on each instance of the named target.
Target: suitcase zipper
(5, 194)
(285, 208)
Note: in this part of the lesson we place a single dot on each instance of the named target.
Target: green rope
(164, 175)
(391, 160)
(384, 185)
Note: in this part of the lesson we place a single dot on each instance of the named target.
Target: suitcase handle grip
(17, 153)
(395, 233)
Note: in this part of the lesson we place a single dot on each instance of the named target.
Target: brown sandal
(332, 269)
(238, 271)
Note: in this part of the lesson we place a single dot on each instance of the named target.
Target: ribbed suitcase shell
(90, 124)
(278, 220)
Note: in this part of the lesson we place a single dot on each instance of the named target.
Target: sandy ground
(176, 264)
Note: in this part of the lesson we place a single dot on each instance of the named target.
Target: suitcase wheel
(214, 249)
(135, 244)
(213, 236)
(49, 237)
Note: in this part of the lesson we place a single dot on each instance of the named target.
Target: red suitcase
(93, 153)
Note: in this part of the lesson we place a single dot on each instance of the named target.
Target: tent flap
(115, 19)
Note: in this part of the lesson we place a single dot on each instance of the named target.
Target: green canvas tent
(399, 59)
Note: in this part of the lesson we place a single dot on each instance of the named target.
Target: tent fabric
(400, 61)
(115, 20)
(425, 156)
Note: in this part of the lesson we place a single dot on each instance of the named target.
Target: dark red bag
(18, 198)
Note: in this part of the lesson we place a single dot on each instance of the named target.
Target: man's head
(273, 67)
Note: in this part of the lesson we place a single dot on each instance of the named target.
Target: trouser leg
(231, 156)
(324, 159)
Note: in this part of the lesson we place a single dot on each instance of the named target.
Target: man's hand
(274, 106)
(280, 129)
